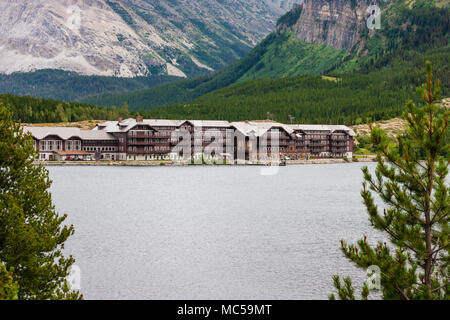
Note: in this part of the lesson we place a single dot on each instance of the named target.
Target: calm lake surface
(211, 232)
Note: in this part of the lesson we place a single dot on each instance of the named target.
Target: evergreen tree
(124, 110)
(31, 232)
(414, 188)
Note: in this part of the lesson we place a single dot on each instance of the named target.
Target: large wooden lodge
(141, 139)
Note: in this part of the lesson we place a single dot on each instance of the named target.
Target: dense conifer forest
(407, 30)
(345, 88)
(342, 99)
(37, 110)
(70, 86)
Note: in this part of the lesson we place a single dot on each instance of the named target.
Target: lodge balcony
(274, 137)
(150, 151)
(318, 145)
(343, 144)
(143, 143)
(276, 143)
(149, 136)
(340, 149)
(339, 138)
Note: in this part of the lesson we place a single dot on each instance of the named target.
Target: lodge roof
(210, 123)
(320, 127)
(96, 135)
(66, 133)
(259, 128)
(104, 131)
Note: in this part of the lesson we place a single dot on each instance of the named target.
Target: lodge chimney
(120, 119)
(139, 118)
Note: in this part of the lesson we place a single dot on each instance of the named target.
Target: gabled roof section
(320, 127)
(210, 123)
(97, 135)
(64, 133)
(258, 129)
(246, 127)
(164, 123)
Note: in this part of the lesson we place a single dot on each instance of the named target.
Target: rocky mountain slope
(317, 37)
(128, 38)
(337, 23)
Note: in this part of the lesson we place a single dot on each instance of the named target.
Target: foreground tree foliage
(32, 234)
(8, 288)
(414, 188)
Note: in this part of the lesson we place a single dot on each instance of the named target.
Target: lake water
(211, 232)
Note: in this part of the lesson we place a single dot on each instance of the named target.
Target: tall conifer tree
(414, 188)
(32, 234)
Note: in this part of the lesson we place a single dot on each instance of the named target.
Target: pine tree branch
(440, 249)
(441, 287)
(440, 218)
(395, 204)
(393, 235)
(400, 291)
(418, 162)
(418, 180)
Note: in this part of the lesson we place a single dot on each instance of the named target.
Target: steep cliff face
(336, 23)
(50, 34)
(129, 38)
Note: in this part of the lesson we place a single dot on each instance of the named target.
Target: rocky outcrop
(337, 23)
(79, 36)
(129, 38)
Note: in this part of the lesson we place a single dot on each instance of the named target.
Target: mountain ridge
(283, 54)
(127, 38)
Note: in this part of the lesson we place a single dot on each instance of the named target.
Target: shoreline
(185, 164)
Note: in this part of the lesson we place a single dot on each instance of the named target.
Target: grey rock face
(128, 38)
(333, 22)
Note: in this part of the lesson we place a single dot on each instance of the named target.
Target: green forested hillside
(406, 26)
(37, 110)
(287, 56)
(374, 82)
(343, 99)
(70, 86)
(346, 99)
(277, 56)
(185, 90)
